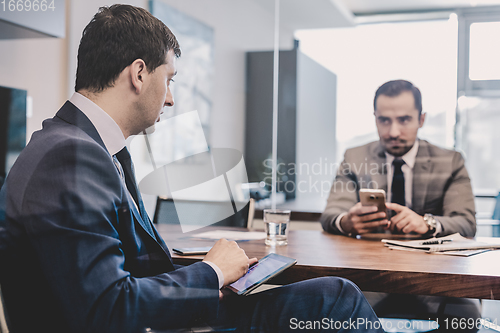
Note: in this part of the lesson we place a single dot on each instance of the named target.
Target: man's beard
(401, 148)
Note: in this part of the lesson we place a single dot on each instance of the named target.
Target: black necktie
(125, 160)
(398, 183)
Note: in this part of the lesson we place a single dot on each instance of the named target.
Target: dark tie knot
(123, 156)
(398, 163)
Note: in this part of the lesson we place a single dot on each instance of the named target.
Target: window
(366, 56)
(483, 51)
(479, 102)
(478, 65)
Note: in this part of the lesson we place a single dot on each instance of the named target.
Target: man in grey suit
(428, 190)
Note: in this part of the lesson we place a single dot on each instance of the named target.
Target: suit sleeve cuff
(217, 270)
(337, 223)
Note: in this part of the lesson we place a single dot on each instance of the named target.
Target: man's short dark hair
(395, 88)
(115, 38)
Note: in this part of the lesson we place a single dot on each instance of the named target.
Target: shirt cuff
(217, 270)
(337, 223)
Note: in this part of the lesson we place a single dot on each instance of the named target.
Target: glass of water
(276, 223)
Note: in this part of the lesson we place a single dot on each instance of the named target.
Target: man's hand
(225, 293)
(360, 219)
(231, 259)
(406, 220)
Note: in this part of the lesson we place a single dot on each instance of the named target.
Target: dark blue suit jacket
(74, 254)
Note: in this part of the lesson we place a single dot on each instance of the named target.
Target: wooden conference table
(367, 263)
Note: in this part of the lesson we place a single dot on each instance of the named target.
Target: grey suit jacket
(441, 186)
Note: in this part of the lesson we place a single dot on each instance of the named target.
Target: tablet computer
(266, 268)
(188, 251)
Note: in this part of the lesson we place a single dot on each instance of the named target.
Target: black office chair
(166, 213)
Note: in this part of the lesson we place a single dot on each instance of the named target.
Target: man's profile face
(158, 94)
(397, 122)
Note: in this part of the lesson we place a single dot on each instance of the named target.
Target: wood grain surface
(367, 263)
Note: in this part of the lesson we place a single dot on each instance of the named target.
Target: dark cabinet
(306, 118)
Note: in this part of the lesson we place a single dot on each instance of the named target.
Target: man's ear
(138, 71)
(421, 120)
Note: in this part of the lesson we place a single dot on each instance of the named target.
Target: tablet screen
(268, 267)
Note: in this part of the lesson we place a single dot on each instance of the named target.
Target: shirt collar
(108, 129)
(409, 157)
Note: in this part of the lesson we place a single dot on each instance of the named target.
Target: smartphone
(189, 251)
(369, 197)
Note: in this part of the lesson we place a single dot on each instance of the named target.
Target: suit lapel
(380, 176)
(422, 172)
(133, 207)
(71, 114)
(138, 217)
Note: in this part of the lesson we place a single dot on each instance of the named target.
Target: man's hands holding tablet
(267, 268)
(231, 259)
(234, 264)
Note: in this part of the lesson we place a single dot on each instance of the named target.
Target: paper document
(231, 235)
(459, 253)
(453, 242)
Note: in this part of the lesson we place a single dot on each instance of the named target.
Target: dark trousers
(324, 304)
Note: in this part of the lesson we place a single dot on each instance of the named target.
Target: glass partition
(366, 56)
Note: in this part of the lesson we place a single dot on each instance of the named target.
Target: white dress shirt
(106, 127)
(407, 168)
(114, 140)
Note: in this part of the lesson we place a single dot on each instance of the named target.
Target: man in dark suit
(78, 252)
(428, 189)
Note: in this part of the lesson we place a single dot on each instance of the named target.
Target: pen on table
(441, 241)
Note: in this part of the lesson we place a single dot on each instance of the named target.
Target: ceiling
(359, 7)
(310, 14)
(317, 14)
